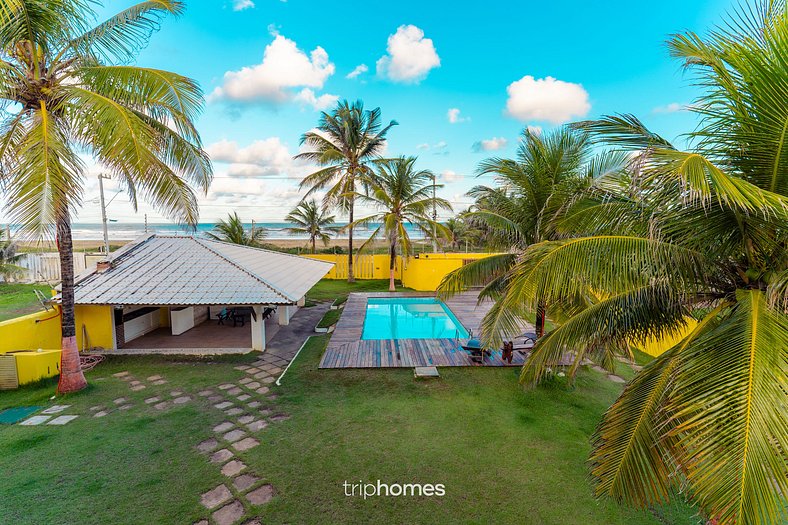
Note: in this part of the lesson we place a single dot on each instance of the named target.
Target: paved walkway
(285, 344)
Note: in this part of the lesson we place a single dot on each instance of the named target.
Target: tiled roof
(183, 270)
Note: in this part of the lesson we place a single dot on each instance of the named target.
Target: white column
(284, 315)
(302, 301)
(258, 329)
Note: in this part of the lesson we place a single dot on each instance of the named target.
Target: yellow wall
(98, 323)
(33, 366)
(42, 329)
(423, 274)
(656, 347)
(31, 332)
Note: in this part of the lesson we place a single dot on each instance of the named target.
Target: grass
(329, 290)
(330, 319)
(20, 299)
(504, 456)
(339, 301)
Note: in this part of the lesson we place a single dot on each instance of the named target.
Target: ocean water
(128, 231)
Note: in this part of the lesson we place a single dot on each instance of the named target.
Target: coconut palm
(403, 195)
(8, 257)
(703, 236)
(67, 89)
(344, 143)
(233, 231)
(549, 174)
(311, 221)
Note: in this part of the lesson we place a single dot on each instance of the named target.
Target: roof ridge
(259, 249)
(245, 270)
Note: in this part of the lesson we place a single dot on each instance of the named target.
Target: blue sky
(267, 66)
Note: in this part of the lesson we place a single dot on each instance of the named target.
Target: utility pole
(434, 218)
(146, 224)
(104, 213)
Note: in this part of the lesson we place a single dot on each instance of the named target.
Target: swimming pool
(410, 318)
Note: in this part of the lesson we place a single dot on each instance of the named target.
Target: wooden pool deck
(347, 350)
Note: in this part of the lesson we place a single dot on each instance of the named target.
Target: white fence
(45, 267)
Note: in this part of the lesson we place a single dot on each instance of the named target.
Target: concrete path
(284, 345)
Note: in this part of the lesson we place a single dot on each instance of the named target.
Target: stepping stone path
(55, 409)
(223, 427)
(214, 498)
(220, 456)
(229, 514)
(234, 435)
(152, 400)
(232, 468)
(120, 401)
(256, 426)
(181, 400)
(35, 420)
(245, 481)
(223, 405)
(208, 445)
(616, 379)
(62, 420)
(261, 496)
(240, 446)
(234, 411)
(245, 419)
(161, 406)
(100, 413)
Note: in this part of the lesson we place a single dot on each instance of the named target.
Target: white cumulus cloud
(536, 130)
(673, 107)
(284, 68)
(454, 116)
(546, 99)
(265, 157)
(320, 103)
(493, 144)
(450, 176)
(240, 5)
(358, 70)
(410, 56)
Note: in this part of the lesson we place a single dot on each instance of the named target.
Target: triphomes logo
(369, 490)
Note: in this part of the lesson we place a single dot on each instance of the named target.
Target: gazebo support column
(258, 329)
(285, 312)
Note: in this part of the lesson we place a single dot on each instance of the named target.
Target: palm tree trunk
(350, 277)
(71, 377)
(314, 248)
(392, 265)
(540, 319)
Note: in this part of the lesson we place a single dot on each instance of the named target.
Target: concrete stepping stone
(160, 382)
(121, 374)
(208, 445)
(599, 369)
(55, 409)
(266, 412)
(229, 514)
(268, 380)
(95, 408)
(245, 444)
(256, 426)
(215, 398)
(245, 380)
(234, 435)
(253, 404)
(215, 497)
(279, 417)
(244, 481)
(263, 390)
(262, 375)
(261, 496)
(35, 420)
(62, 420)
(154, 378)
(253, 385)
(245, 419)
(234, 411)
(616, 379)
(125, 407)
(226, 386)
(176, 393)
(201, 522)
(252, 370)
(232, 468)
(243, 397)
(223, 405)
(152, 400)
(205, 393)
(135, 382)
(223, 427)
(253, 521)
(100, 413)
(181, 400)
(242, 367)
(161, 406)
(220, 456)
(273, 397)
(235, 391)
(119, 401)
(138, 388)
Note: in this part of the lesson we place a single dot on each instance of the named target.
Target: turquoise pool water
(410, 318)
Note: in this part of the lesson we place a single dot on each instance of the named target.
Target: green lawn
(331, 289)
(504, 456)
(331, 318)
(20, 299)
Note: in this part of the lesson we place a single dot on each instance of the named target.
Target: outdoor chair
(224, 315)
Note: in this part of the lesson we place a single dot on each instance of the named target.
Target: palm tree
(550, 173)
(404, 195)
(233, 231)
(66, 89)
(702, 234)
(344, 143)
(311, 221)
(8, 257)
